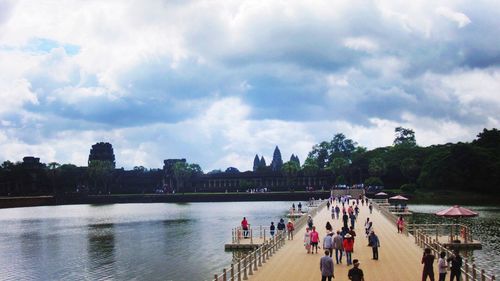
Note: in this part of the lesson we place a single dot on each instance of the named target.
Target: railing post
(232, 272)
(251, 236)
(483, 277)
(255, 261)
(224, 275)
(216, 278)
(473, 272)
(493, 278)
(260, 255)
(245, 277)
(264, 235)
(239, 270)
(466, 270)
(249, 264)
(260, 234)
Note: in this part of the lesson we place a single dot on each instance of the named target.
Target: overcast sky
(218, 81)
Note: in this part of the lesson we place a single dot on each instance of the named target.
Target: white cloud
(460, 18)
(14, 94)
(361, 44)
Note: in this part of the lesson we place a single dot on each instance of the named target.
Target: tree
(405, 137)
(181, 174)
(377, 167)
(232, 170)
(341, 147)
(338, 167)
(488, 138)
(310, 167)
(290, 170)
(320, 154)
(410, 169)
(100, 171)
(52, 166)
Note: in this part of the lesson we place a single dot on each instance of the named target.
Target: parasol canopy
(457, 211)
(398, 197)
(381, 194)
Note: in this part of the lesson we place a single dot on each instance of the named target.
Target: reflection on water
(123, 241)
(485, 228)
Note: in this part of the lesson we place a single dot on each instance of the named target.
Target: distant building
(102, 151)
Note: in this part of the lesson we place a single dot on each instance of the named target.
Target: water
(485, 228)
(124, 241)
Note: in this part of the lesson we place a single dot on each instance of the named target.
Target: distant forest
(473, 166)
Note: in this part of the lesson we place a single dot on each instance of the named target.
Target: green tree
(341, 147)
(404, 137)
(377, 167)
(339, 167)
(310, 167)
(410, 169)
(181, 174)
(320, 153)
(100, 172)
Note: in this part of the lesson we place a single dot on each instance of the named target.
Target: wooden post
(260, 256)
(216, 278)
(251, 236)
(483, 277)
(224, 275)
(264, 235)
(260, 235)
(466, 271)
(493, 278)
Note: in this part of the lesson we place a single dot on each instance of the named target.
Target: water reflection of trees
(101, 249)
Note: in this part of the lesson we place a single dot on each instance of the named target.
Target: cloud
(238, 78)
(461, 19)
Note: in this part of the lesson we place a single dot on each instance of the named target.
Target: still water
(485, 228)
(124, 241)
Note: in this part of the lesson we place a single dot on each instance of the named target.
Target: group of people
(454, 263)
(289, 228)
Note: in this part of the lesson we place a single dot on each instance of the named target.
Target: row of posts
(250, 263)
(424, 240)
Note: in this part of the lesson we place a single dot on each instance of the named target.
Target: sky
(219, 81)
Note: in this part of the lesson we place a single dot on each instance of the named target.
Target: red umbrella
(398, 197)
(457, 211)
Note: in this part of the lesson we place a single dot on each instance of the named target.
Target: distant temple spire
(295, 159)
(277, 162)
(256, 163)
(262, 162)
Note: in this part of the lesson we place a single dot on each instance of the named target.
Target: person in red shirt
(244, 226)
(290, 228)
(314, 240)
(348, 247)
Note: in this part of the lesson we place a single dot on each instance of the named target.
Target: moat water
(156, 241)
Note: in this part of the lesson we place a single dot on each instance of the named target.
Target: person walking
(374, 242)
(328, 227)
(309, 221)
(290, 228)
(328, 204)
(348, 248)
(337, 211)
(456, 266)
(326, 267)
(353, 233)
(281, 226)
(333, 212)
(368, 227)
(370, 207)
(355, 273)
(345, 219)
(307, 240)
(400, 224)
(328, 242)
(299, 206)
(352, 217)
(427, 261)
(314, 240)
(442, 266)
(272, 228)
(338, 245)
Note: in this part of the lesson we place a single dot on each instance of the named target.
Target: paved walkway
(399, 256)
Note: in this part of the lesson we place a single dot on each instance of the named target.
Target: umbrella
(457, 211)
(381, 194)
(399, 197)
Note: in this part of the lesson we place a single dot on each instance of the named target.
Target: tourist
(281, 226)
(338, 245)
(374, 242)
(370, 207)
(307, 240)
(314, 240)
(400, 224)
(300, 207)
(368, 226)
(272, 229)
(326, 267)
(337, 211)
(290, 228)
(328, 227)
(356, 211)
(345, 218)
(352, 217)
(442, 266)
(348, 248)
(244, 226)
(328, 242)
(355, 273)
(309, 221)
(333, 212)
(293, 207)
(328, 204)
(427, 261)
(352, 232)
(455, 266)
